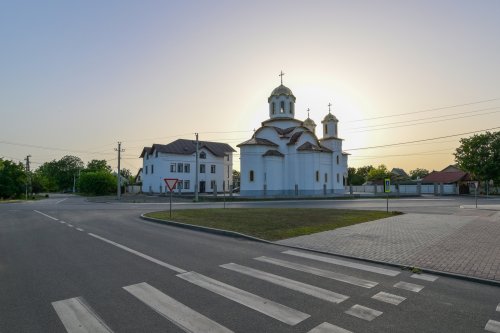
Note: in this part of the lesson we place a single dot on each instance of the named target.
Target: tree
(12, 179)
(418, 173)
(98, 165)
(379, 173)
(363, 171)
(60, 175)
(354, 177)
(97, 183)
(480, 156)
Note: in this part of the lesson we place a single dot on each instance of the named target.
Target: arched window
(203, 155)
(338, 178)
(326, 177)
(273, 108)
(291, 107)
(251, 175)
(317, 176)
(326, 129)
(338, 159)
(282, 107)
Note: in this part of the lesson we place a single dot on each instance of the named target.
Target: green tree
(60, 175)
(353, 177)
(12, 179)
(363, 171)
(418, 173)
(379, 173)
(97, 183)
(98, 165)
(480, 155)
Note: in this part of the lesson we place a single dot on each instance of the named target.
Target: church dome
(282, 90)
(329, 117)
(309, 122)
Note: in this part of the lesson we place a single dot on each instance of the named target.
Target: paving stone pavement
(467, 243)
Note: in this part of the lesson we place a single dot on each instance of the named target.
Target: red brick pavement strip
(473, 250)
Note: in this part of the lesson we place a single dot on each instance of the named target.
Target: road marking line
(426, 277)
(137, 253)
(388, 298)
(179, 314)
(363, 312)
(70, 225)
(409, 286)
(50, 217)
(320, 272)
(498, 307)
(58, 202)
(62, 222)
(77, 316)
(345, 263)
(272, 309)
(328, 328)
(304, 288)
(79, 229)
(492, 326)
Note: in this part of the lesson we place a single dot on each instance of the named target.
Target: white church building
(285, 157)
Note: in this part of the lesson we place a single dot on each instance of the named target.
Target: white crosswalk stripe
(345, 263)
(363, 312)
(308, 289)
(492, 326)
(320, 272)
(176, 312)
(388, 298)
(498, 307)
(409, 286)
(78, 317)
(260, 304)
(425, 277)
(328, 328)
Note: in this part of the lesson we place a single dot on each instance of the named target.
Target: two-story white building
(285, 157)
(178, 160)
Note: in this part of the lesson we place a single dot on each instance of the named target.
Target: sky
(76, 77)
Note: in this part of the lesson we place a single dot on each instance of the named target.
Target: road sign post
(171, 182)
(387, 190)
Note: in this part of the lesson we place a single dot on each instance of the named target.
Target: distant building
(450, 175)
(178, 160)
(285, 157)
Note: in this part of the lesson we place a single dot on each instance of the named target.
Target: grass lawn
(272, 223)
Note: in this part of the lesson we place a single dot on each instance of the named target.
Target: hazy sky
(78, 76)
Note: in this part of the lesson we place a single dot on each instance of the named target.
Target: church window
(338, 159)
(273, 108)
(338, 178)
(291, 107)
(152, 169)
(203, 155)
(156, 154)
(146, 169)
(326, 177)
(282, 107)
(317, 176)
(251, 175)
(202, 168)
(326, 129)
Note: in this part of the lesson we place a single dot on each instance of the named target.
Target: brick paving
(467, 243)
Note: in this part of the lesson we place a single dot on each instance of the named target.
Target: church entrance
(202, 186)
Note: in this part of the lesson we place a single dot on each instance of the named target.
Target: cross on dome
(308, 112)
(329, 107)
(281, 77)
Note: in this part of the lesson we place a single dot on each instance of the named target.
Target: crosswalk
(76, 315)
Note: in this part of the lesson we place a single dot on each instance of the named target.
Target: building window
(212, 168)
(273, 108)
(338, 178)
(187, 167)
(291, 107)
(251, 175)
(338, 160)
(146, 169)
(317, 176)
(180, 167)
(186, 184)
(326, 177)
(326, 129)
(172, 167)
(152, 169)
(227, 158)
(228, 171)
(202, 168)
(282, 107)
(212, 184)
(156, 154)
(203, 155)
(179, 185)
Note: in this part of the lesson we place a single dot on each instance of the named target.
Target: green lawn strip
(272, 223)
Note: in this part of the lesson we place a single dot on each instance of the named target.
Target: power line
(423, 140)
(425, 110)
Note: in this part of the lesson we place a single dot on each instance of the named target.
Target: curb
(243, 236)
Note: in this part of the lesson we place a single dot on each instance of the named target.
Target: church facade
(285, 157)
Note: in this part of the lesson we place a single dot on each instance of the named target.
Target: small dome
(309, 122)
(282, 90)
(329, 117)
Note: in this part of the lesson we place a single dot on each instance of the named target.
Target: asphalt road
(67, 263)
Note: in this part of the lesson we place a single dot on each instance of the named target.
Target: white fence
(437, 189)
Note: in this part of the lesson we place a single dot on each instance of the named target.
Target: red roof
(446, 177)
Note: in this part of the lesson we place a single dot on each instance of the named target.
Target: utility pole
(119, 177)
(196, 171)
(27, 159)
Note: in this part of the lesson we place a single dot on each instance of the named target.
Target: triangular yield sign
(171, 182)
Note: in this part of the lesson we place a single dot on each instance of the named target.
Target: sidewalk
(467, 243)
